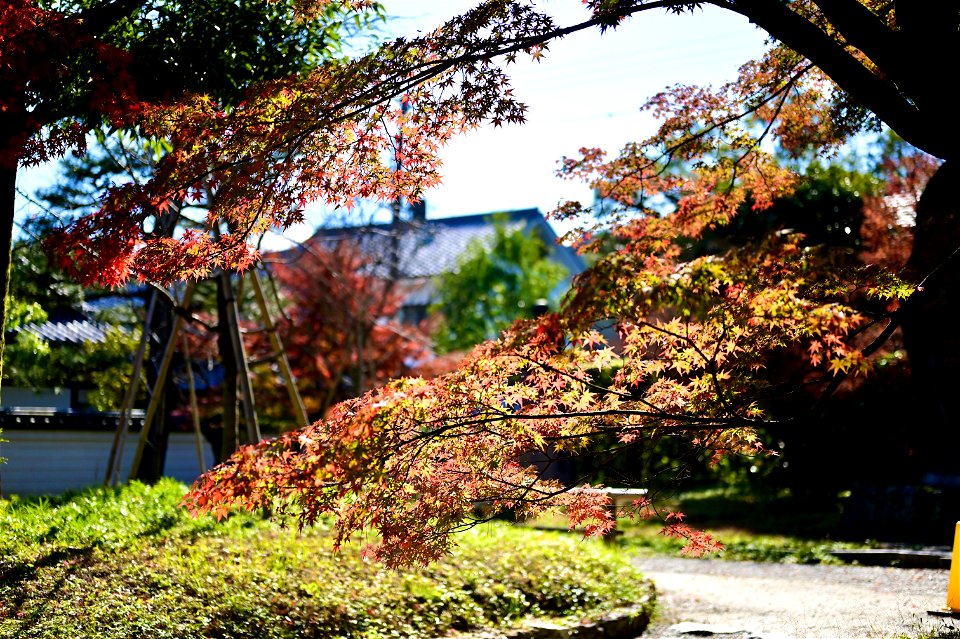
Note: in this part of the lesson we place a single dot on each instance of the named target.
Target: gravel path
(784, 601)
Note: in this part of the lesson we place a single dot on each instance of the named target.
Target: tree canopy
(89, 66)
(693, 341)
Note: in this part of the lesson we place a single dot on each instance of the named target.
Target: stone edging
(899, 558)
(622, 623)
(619, 624)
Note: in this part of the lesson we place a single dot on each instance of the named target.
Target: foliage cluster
(492, 286)
(705, 347)
(339, 328)
(103, 367)
(128, 563)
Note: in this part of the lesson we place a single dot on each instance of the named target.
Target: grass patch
(752, 525)
(774, 512)
(739, 545)
(947, 631)
(104, 518)
(129, 563)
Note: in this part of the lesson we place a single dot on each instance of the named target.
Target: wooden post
(243, 367)
(194, 408)
(120, 437)
(299, 410)
(161, 378)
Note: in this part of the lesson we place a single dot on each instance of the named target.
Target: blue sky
(586, 92)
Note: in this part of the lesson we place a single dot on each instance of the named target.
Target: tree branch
(864, 30)
(872, 91)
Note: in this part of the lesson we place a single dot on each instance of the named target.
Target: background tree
(39, 293)
(339, 323)
(493, 285)
(101, 367)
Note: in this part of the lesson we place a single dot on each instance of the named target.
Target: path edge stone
(623, 623)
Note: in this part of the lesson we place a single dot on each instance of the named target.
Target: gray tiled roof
(75, 331)
(427, 248)
(77, 326)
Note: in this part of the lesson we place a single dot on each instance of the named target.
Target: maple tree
(339, 326)
(689, 338)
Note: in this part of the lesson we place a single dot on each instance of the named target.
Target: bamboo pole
(296, 402)
(243, 367)
(161, 379)
(120, 437)
(194, 408)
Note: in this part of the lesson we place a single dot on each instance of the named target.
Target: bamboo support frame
(120, 437)
(296, 402)
(194, 407)
(243, 367)
(249, 409)
(161, 379)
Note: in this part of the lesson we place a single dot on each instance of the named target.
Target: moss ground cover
(130, 563)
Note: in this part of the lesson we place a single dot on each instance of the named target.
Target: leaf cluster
(339, 325)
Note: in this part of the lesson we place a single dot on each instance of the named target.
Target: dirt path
(783, 601)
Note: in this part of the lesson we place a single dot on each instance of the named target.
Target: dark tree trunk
(931, 325)
(11, 150)
(155, 452)
(228, 359)
(8, 185)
